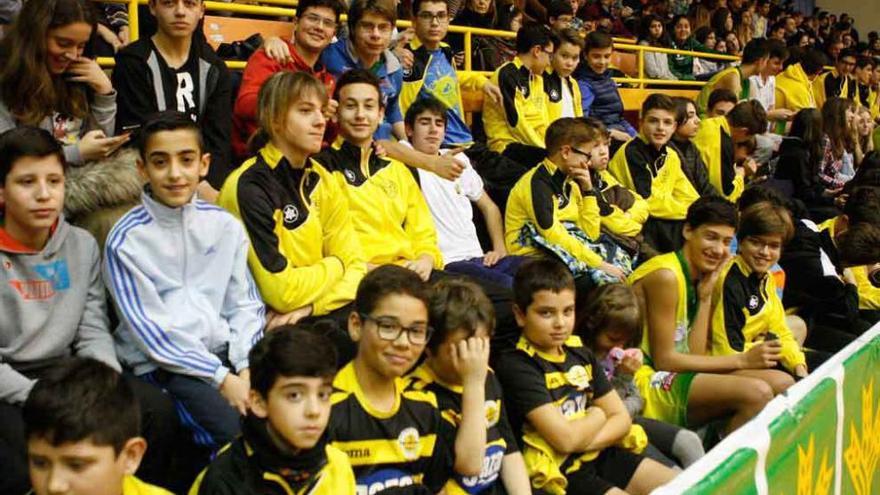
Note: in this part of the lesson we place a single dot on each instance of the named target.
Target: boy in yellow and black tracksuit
(716, 148)
(304, 249)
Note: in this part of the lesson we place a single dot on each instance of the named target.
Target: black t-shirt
(181, 85)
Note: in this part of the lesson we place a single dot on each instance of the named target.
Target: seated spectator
(451, 207)
(610, 322)
(683, 385)
(554, 208)
(559, 15)
(862, 143)
(613, 15)
(721, 21)
(175, 69)
(819, 284)
(656, 64)
(762, 87)
(687, 124)
(306, 261)
(371, 404)
(682, 65)
(717, 139)
(176, 267)
(82, 424)
(733, 45)
(469, 396)
(736, 78)
(800, 158)
(838, 82)
(52, 85)
(794, 85)
(576, 433)
(647, 165)
(315, 26)
(706, 67)
(284, 442)
(838, 126)
(488, 52)
(515, 126)
(748, 310)
(864, 71)
(601, 98)
(721, 102)
(562, 90)
(370, 23)
(54, 302)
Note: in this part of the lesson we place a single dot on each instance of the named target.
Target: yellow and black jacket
(388, 450)
(747, 306)
(304, 249)
(715, 145)
(553, 88)
(522, 116)
(500, 440)
(622, 210)
(390, 215)
(656, 175)
(830, 85)
(134, 486)
(252, 465)
(545, 197)
(869, 296)
(433, 74)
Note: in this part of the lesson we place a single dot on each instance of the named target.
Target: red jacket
(260, 68)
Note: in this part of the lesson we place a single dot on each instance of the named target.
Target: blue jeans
(500, 273)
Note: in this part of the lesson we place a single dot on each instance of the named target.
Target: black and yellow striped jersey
(500, 439)
(399, 451)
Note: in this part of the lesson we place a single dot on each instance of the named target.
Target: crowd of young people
(309, 285)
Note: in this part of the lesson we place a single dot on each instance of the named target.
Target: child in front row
(611, 321)
(81, 422)
(576, 432)
(284, 445)
(456, 369)
(391, 435)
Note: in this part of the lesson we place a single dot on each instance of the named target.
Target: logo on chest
(349, 176)
(409, 442)
(554, 95)
(291, 214)
(753, 303)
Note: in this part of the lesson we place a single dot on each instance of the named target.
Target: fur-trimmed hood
(108, 183)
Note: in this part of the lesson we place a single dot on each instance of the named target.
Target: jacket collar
(299, 64)
(57, 235)
(162, 214)
(388, 62)
(297, 470)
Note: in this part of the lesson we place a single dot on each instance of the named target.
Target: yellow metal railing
(285, 8)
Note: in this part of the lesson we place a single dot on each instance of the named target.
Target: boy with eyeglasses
(391, 435)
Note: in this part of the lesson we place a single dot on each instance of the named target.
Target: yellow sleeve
(628, 223)
(869, 296)
(792, 355)
(340, 240)
(557, 234)
(471, 81)
(656, 191)
(589, 219)
(419, 224)
(521, 130)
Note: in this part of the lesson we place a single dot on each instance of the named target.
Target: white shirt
(567, 101)
(765, 92)
(450, 205)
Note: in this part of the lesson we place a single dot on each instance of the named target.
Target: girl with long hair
(838, 121)
(654, 34)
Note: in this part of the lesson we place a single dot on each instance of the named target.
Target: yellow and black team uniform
(253, 465)
(747, 306)
(500, 440)
(657, 176)
(869, 296)
(571, 382)
(544, 198)
(134, 486)
(666, 393)
(556, 88)
(623, 212)
(702, 102)
(400, 451)
(304, 249)
(522, 117)
(832, 85)
(390, 215)
(715, 145)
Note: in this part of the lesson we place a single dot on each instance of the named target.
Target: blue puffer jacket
(601, 99)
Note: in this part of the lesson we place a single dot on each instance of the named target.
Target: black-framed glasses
(589, 156)
(390, 329)
(429, 17)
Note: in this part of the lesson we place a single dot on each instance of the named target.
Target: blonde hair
(276, 97)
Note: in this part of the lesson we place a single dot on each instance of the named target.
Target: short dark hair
(358, 76)
(335, 5)
(755, 50)
(597, 40)
(531, 35)
(422, 105)
(711, 210)
(681, 108)
(385, 281)
(417, 5)
(859, 245)
(24, 142)
(766, 218)
(570, 36)
(720, 95)
(289, 351)
(777, 49)
(168, 120)
(458, 304)
(359, 8)
(82, 399)
(659, 101)
(749, 114)
(813, 62)
(848, 52)
(558, 8)
(568, 130)
(863, 62)
(537, 275)
(863, 206)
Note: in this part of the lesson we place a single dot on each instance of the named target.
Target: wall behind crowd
(865, 13)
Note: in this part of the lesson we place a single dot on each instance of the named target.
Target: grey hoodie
(54, 305)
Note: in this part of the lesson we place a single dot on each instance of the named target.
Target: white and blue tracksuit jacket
(181, 284)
